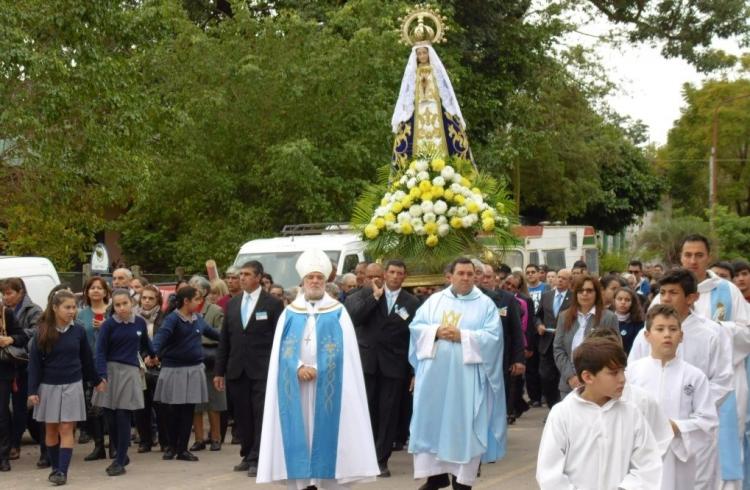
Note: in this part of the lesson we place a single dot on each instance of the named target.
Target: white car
(38, 274)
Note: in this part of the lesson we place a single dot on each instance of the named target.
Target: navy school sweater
(69, 361)
(178, 342)
(121, 342)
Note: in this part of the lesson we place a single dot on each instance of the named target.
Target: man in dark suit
(243, 356)
(381, 314)
(552, 303)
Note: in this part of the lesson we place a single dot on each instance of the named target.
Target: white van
(339, 241)
(37, 273)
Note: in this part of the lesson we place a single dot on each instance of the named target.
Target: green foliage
(733, 233)
(663, 238)
(614, 262)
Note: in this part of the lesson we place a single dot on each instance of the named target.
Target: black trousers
(533, 381)
(20, 411)
(550, 377)
(180, 421)
(5, 428)
(144, 418)
(248, 396)
(384, 400)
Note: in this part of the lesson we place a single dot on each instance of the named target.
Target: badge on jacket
(261, 315)
(503, 311)
(401, 311)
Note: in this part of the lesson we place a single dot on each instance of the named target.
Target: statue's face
(423, 56)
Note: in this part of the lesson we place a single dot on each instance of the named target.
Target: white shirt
(590, 447)
(391, 297)
(252, 300)
(583, 318)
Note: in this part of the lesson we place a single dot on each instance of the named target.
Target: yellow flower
(406, 228)
(437, 191)
(448, 195)
(414, 193)
(380, 223)
(488, 224)
(472, 207)
(371, 231)
(456, 222)
(476, 190)
(431, 240)
(384, 202)
(427, 196)
(413, 165)
(487, 214)
(396, 207)
(465, 182)
(406, 202)
(425, 186)
(390, 218)
(438, 164)
(431, 228)
(459, 199)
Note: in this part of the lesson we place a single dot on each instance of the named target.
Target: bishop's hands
(307, 373)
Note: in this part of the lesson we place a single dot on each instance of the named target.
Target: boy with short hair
(592, 439)
(684, 394)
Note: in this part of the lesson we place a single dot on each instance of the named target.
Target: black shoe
(43, 462)
(459, 486)
(198, 446)
(112, 451)
(4, 465)
(96, 454)
(144, 449)
(84, 437)
(243, 466)
(215, 446)
(398, 446)
(511, 419)
(58, 478)
(116, 470)
(435, 482)
(168, 454)
(187, 456)
(127, 461)
(535, 404)
(253, 470)
(384, 472)
(15, 453)
(235, 440)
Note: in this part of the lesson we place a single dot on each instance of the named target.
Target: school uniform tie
(558, 302)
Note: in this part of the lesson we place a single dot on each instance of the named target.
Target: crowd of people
(322, 382)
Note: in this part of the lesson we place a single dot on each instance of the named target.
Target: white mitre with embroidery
(313, 260)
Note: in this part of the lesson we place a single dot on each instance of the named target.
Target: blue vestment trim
(300, 464)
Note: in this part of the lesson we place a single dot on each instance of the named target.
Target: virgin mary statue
(427, 118)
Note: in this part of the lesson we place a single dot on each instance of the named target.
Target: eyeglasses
(635, 272)
(587, 291)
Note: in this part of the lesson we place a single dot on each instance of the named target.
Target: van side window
(350, 263)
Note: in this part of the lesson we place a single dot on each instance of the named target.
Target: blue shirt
(536, 293)
(178, 340)
(121, 342)
(68, 362)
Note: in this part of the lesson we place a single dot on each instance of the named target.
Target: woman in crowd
(266, 281)
(610, 284)
(182, 380)
(27, 315)
(96, 296)
(59, 360)
(136, 285)
(515, 283)
(172, 299)
(218, 290)
(627, 307)
(150, 310)
(213, 315)
(11, 333)
(586, 313)
(121, 339)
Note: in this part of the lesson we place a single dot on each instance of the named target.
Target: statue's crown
(423, 33)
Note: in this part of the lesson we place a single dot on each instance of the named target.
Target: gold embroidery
(331, 349)
(428, 122)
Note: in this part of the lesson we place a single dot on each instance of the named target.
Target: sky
(649, 85)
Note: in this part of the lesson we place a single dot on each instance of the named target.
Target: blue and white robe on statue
(459, 415)
(318, 432)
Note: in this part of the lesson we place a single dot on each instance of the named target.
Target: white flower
(427, 206)
(452, 212)
(462, 211)
(478, 199)
(421, 165)
(390, 226)
(438, 181)
(397, 227)
(442, 220)
(429, 217)
(466, 221)
(416, 223)
(419, 230)
(440, 207)
(424, 175)
(503, 221)
(411, 172)
(456, 188)
(415, 210)
(443, 229)
(381, 211)
(398, 195)
(411, 183)
(457, 177)
(447, 173)
(403, 180)
(403, 216)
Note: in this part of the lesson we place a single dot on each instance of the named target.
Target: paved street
(214, 470)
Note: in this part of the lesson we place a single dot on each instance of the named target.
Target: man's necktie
(558, 303)
(389, 297)
(245, 310)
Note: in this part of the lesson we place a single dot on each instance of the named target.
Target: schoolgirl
(121, 339)
(59, 360)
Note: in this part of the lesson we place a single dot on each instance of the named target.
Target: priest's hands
(307, 373)
(219, 383)
(448, 332)
(675, 428)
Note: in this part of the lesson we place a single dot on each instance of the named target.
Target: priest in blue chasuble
(456, 350)
(316, 425)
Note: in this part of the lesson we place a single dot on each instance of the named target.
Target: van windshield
(281, 264)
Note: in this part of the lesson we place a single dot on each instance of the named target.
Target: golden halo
(423, 33)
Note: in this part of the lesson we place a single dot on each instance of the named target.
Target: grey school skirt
(60, 403)
(124, 388)
(181, 385)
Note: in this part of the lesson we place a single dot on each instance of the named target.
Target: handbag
(11, 353)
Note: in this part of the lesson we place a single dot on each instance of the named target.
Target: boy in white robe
(592, 440)
(684, 394)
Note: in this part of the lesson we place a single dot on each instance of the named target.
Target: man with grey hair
(348, 282)
(316, 428)
(232, 280)
(121, 278)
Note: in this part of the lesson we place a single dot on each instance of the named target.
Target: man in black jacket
(243, 356)
(381, 315)
(552, 303)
